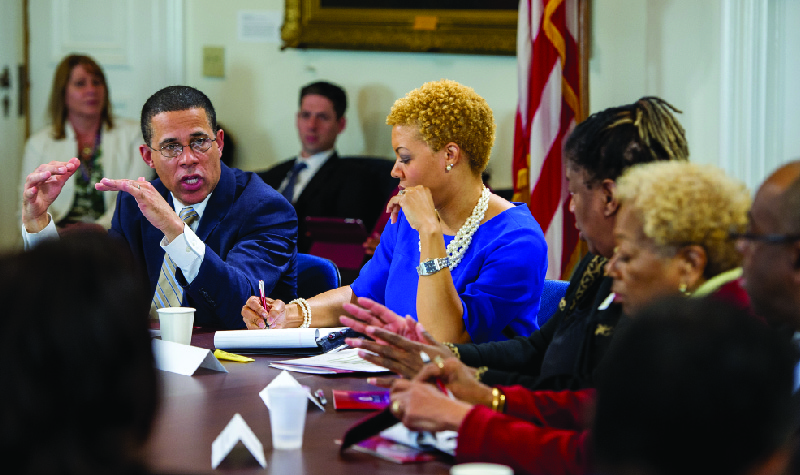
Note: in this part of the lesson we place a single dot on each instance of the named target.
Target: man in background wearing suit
(205, 233)
(318, 182)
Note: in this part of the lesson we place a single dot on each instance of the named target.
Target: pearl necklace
(460, 243)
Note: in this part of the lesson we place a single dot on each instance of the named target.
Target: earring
(684, 289)
(448, 167)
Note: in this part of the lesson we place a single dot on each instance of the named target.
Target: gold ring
(395, 407)
(439, 361)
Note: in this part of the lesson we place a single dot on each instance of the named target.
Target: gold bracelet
(453, 349)
(305, 309)
(498, 400)
(479, 372)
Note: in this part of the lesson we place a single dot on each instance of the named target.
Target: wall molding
(752, 88)
(109, 42)
(168, 18)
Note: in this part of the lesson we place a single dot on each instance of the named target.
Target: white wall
(790, 115)
(744, 120)
(257, 99)
(666, 48)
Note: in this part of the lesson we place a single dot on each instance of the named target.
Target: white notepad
(284, 338)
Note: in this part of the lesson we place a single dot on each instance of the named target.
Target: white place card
(184, 359)
(236, 430)
(284, 379)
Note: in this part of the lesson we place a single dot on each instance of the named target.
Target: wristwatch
(432, 266)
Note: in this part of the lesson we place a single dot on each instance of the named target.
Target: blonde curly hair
(682, 203)
(445, 111)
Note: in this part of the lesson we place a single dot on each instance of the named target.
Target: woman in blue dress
(462, 261)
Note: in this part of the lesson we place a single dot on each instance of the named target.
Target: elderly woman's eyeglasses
(768, 238)
(172, 150)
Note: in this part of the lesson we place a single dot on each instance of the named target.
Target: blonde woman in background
(672, 234)
(82, 125)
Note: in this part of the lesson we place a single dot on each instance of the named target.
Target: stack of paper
(332, 362)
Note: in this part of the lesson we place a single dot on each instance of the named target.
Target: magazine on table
(367, 400)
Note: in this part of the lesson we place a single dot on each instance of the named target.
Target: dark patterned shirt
(88, 204)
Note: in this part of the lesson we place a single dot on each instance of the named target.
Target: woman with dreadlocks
(563, 354)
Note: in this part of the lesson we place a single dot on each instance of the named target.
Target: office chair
(316, 275)
(552, 293)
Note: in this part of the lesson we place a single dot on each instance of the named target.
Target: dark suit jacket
(249, 231)
(356, 187)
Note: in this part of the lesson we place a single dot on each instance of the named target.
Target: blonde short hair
(445, 111)
(682, 203)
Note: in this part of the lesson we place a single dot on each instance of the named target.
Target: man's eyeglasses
(172, 150)
(768, 238)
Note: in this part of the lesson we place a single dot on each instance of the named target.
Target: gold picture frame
(311, 24)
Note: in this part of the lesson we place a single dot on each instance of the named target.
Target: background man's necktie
(288, 190)
(168, 292)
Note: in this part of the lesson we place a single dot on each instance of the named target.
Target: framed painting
(452, 26)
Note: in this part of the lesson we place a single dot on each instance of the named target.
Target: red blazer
(541, 432)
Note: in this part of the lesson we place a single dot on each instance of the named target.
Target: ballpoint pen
(263, 300)
(439, 384)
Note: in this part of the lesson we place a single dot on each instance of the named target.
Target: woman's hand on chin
(417, 205)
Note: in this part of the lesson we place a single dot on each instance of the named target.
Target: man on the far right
(771, 249)
(771, 265)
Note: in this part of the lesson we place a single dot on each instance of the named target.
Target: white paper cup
(176, 324)
(287, 416)
(480, 469)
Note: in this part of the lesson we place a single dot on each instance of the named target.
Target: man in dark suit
(206, 233)
(320, 183)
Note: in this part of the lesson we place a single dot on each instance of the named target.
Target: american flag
(549, 105)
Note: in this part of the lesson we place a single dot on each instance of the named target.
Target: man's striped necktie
(168, 292)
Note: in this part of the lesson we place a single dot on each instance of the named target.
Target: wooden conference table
(195, 409)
